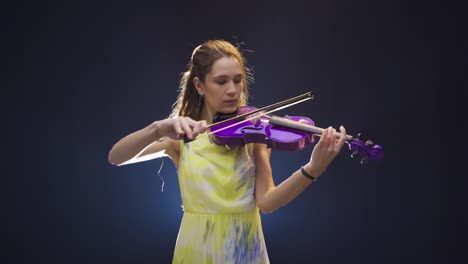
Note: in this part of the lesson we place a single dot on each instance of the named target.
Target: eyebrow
(224, 76)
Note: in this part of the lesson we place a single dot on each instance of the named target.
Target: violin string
(259, 115)
(308, 96)
(304, 127)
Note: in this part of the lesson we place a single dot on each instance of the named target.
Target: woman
(223, 189)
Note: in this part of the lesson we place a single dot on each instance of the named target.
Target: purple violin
(289, 133)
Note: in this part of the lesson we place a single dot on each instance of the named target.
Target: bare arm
(270, 197)
(158, 139)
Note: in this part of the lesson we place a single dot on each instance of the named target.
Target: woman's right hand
(178, 127)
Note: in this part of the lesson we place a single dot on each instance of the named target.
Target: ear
(198, 85)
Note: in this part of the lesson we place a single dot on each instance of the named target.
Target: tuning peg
(364, 161)
(359, 136)
(354, 153)
(369, 143)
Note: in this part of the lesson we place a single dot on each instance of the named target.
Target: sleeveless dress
(221, 221)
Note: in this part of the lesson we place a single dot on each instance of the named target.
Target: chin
(228, 110)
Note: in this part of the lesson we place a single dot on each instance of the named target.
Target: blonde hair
(189, 102)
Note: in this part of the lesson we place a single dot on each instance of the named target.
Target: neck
(206, 114)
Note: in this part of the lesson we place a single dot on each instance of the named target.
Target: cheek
(241, 88)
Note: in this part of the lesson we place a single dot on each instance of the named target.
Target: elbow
(112, 159)
(265, 209)
(265, 212)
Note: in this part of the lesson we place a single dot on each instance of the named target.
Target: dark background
(81, 76)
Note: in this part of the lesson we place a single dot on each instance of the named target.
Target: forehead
(226, 66)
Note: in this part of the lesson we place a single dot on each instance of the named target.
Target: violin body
(289, 133)
(260, 131)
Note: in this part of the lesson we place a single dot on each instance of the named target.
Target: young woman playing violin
(222, 188)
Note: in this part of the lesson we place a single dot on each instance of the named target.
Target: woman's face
(222, 87)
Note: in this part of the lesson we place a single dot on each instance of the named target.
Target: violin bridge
(227, 147)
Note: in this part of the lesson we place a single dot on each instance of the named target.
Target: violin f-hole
(244, 130)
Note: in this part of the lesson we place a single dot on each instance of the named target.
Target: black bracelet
(307, 175)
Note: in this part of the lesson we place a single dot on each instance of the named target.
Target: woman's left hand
(325, 151)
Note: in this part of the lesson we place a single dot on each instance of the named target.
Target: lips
(230, 101)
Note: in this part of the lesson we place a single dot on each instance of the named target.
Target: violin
(288, 133)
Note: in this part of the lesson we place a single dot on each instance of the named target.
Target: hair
(189, 102)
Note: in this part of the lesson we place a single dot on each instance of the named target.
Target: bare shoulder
(163, 147)
(173, 149)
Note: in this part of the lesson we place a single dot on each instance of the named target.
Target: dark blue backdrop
(88, 74)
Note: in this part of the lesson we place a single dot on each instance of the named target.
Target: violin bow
(274, 107)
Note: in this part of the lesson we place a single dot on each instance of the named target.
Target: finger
(191, 122)
(203, 126)
(342, 139)
(177, 128)
(196, 129)
(329, 139)
(323, 137)
(332, 136)
(316, 137)
(185, 126)
(333, 139)
(195, 126)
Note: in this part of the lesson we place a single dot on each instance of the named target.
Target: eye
(221, 82)
(238, 80)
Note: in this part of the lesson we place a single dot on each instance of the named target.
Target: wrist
(155, 130)
(310, 170)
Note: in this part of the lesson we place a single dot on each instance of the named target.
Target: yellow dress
(221, 221)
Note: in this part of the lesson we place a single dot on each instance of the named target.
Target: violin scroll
(368, 149)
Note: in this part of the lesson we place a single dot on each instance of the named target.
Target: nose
(231, 89)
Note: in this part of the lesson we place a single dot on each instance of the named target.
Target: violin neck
(275, 120)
